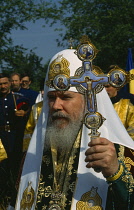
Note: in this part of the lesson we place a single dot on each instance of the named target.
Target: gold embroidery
(90, 201)
(121, 111)
(41, 192)
(117, 175)
(70, 165)
(40, 189)
(48, 190)
(3, 154)
(46, 160)
(27, 198)
(121, 156)
(72, 186)
(50, 176)
(58, 66)
(129, 180)
(44, 207)
(125, 112)
(127, 177)
(129, 163)
(132, 152)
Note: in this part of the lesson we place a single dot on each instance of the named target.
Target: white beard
(62, 138)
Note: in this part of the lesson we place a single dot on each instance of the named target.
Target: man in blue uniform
(13, 110)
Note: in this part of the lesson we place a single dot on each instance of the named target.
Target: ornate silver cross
(89, 82)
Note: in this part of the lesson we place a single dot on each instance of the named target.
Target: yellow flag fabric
(131, 84)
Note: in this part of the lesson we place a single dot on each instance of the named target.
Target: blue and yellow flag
(130, 69)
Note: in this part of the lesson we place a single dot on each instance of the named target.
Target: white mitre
(111, 129)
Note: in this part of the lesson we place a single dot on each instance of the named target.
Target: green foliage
(14, 14)
(108, 23)
(16, 60)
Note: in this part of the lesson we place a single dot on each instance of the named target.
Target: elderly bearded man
(58, 173)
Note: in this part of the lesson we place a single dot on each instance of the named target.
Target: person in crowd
(123, 107)
(33, 117)
(25, 83)
(15, 81)
(14, 108)
(13, 111)
(59, 168)
(126, 95)
(16, 87)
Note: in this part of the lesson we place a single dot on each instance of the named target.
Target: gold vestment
(125, 111)
(31, 123)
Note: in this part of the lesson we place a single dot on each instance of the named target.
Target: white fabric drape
(111, 129)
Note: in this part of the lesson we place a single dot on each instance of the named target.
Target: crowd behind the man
(16, 101)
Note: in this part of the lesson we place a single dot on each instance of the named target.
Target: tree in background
(18, 61)
(14, 14)
(109, 24)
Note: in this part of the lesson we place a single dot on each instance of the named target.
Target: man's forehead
(15, 77)
(26, 78)
(56, 93)
(3, 79)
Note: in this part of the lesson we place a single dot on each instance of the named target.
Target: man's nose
(58, 104)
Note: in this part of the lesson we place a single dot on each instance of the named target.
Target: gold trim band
(116, 175)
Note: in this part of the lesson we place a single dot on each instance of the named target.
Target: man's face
(25, 82)
(65, 107)
(112, 91)
(15, 83)
(4, 86)
(65, 119)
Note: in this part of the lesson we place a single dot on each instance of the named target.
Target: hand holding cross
(90, 83)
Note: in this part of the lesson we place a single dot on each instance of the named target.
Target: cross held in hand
(88, 82)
